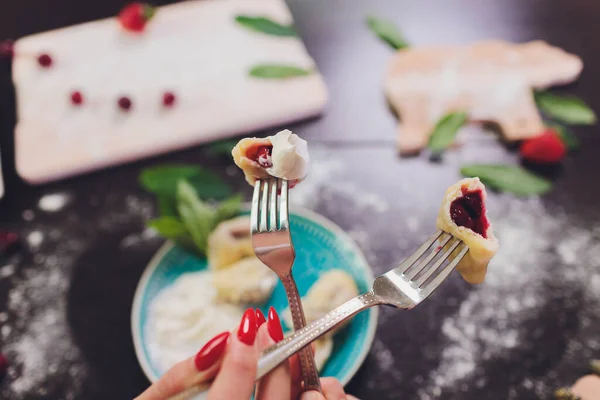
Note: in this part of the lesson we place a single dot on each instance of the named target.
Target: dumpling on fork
(284, 155)
(334, 288)
(463, 214)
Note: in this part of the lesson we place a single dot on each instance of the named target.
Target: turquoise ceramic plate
(320, 245)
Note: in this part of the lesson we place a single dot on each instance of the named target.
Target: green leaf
(167, 206)
(387, 31)
(566, 134)
(278, 71)
(197, 216)
(229, 208)
(222, 148)
(508, 178)
(209, 186)
(163, 180)
(172, 228)
(266, 25)
(445, 131)
(564, 108)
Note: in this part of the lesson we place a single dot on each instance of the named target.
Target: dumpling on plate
(463, 214)
(332, 289)
(229, 243)
(284, 156)
(246, 281)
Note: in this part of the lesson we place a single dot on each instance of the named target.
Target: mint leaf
(508, 178)
(172, 228)
(445, 131)
(197, 216)
(566, 134)
(163, 180)
(565, 108)
(167, 206)
(222, 148)
(266, 25)
(278, 71)
(228, 208)
(387, 31)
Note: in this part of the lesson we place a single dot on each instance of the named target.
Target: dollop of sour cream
(289, 156)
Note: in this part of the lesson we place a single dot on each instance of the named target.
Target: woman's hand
(231, 358)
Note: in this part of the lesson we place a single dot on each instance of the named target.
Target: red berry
(45, 60)
(124, 103)
(3, 366)
(8, 241)
(135, 16)
(548, 148)
(7, 48)
(76, 98)
(168, 99)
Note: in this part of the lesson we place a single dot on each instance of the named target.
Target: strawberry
(135, 16)
(548, 148)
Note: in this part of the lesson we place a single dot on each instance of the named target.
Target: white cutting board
(194, 49)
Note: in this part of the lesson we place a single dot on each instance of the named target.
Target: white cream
(184, 316)
(289, 156)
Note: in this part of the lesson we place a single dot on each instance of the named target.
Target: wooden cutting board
(193, 49)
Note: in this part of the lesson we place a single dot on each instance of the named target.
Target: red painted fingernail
(211, 352)
(247, 329)
(274, 326)
(260, 318)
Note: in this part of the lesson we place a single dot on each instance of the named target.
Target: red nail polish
(211, 352)
(274, 326)
(260, 318)
(247, 329)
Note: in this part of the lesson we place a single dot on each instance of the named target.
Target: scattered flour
(35, 239)
(53, 202)
(490, 321)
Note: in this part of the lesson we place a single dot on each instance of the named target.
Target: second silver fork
(273, 245)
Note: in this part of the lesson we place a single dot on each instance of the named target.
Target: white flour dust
(489, 321)
(35, 334)
(53, 202)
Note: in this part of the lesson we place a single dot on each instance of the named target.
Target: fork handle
(310, 374)
(275, 355)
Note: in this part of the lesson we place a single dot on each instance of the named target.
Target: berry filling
(168, 99)
(469, 211)
(263, 156)
(8, 242)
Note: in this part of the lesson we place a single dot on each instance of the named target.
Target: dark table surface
(65, 297)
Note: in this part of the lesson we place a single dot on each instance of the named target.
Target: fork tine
(264, 206)
(273, 204)
(446, 271)
(444, 256)
(284, 205)
(404, 265)
(445, 238)
(255, 210)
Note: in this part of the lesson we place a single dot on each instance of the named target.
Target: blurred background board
(195, 51)
(530, 328)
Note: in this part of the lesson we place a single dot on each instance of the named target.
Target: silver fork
(273, 245)
(403, 287)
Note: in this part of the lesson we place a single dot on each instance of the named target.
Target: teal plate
(320, 245)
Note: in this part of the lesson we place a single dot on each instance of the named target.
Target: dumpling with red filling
(463, 214)
(284, 155)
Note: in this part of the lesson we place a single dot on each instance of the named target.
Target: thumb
(312, 395)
